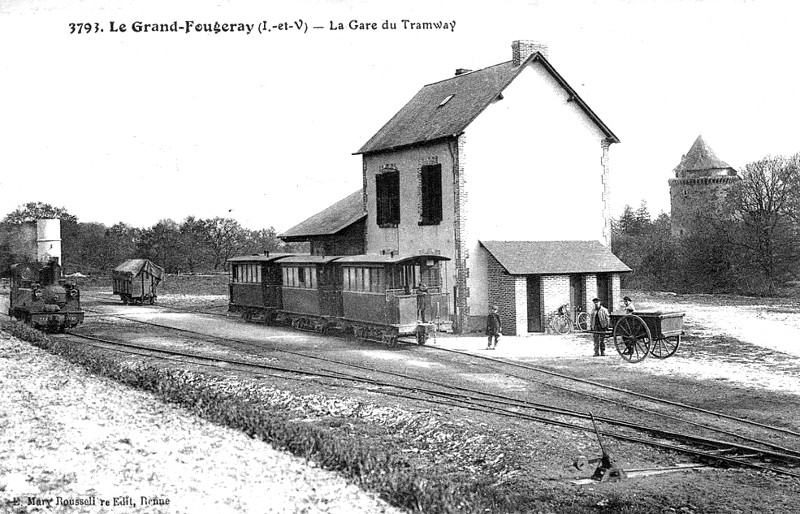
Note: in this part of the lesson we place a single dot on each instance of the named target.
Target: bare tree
(224, 236)
(762, 203)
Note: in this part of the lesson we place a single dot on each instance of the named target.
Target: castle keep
(699, 190)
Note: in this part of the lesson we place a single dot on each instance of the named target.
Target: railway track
(756, 454)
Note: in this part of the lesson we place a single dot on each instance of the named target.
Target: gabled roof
(701, 158)
(133, 267)
(554, 257)
(333, 219)
(430, 116)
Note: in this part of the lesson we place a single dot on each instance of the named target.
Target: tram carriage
(381, 298)
(374, 297)
(255, 287)
(311, 290)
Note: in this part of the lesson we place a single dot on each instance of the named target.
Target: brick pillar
(555, 293)
(616, 293)
(591, 291)
(461, 316)
(521, 303)
(606, 194)
(503, 293)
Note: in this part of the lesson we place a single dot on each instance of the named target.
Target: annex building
(505, 171)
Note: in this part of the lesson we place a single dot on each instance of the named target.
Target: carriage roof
(260, 257)
(388, 259)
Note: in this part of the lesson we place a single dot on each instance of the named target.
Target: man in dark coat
(598, 323)
(494, 327)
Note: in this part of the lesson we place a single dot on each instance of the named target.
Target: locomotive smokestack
(48, 240)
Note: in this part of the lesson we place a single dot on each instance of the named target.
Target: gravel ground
(67, 434)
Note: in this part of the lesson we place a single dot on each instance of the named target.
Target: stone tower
(699, 189)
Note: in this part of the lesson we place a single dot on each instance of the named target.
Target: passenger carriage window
(258, 273)
(359, 279)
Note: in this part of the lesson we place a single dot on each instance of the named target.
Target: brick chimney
(461, 71)
(522, 49)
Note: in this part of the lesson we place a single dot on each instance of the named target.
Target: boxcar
(386, 296)
(136, 281)
(255, 286)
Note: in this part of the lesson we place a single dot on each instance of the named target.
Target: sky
(136, 127)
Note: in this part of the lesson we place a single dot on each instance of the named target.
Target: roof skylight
(446, 100)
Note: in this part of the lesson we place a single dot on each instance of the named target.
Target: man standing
(494, 327)
(599, 323)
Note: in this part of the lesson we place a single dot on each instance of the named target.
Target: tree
(161, 244)
(194, 243)
(225, 237)
(763, 203)
(33, 211)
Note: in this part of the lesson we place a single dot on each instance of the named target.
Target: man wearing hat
(599, 323)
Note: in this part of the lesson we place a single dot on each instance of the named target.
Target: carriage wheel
(632, 338)
(561, 324)
(665, 347)
(583, 321)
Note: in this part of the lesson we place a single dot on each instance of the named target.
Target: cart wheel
(665, 347)
(561, 324)
(632, 338)
(583, 321)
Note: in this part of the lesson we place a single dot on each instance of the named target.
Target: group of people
(599, 320)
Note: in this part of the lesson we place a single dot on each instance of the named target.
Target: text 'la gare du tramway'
(217, 27)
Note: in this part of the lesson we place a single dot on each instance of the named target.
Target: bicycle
(562, 323)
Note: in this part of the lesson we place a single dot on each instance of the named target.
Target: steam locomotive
(42, 299)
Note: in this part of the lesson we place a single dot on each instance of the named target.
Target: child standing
(494, 327)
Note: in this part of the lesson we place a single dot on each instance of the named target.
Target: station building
(505, 171)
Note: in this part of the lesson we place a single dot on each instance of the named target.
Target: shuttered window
(431, 194)
(388, 198)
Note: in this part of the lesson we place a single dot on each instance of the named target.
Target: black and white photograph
(353, 256)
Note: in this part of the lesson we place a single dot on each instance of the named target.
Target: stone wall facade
(695, 200)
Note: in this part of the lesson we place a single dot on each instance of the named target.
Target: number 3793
(84, 28)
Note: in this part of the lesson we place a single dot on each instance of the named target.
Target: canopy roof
(134, 267)
(554, 257)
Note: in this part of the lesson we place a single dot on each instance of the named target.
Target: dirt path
(748, 341)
